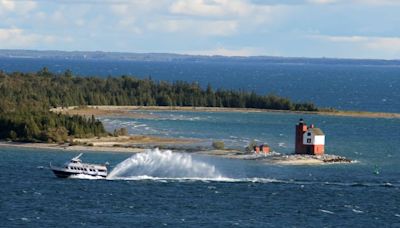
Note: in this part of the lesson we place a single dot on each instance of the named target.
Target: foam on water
(86, 177)
(167, 166)
(163, 164)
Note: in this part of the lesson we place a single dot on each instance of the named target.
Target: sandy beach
(134, 111)
(125, 144)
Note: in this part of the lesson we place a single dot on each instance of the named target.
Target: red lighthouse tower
(309, 140)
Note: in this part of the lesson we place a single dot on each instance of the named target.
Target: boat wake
(167, 166)
(157, 164)
(86, 177)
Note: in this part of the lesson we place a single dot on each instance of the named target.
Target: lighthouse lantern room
(309, 139)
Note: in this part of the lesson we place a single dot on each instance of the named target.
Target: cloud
(18, 38)
(359, 2)
(378, 2)
(385, 43)
(322, 1)
(219, 8)
(7, 5)
(390, 45)
(20, 7)
(206, 18)
(203, 28)
(347, 39)
(213, 8)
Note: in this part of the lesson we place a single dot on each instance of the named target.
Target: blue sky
(301, 28)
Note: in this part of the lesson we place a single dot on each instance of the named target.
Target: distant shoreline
(170, 56)
(126, 111)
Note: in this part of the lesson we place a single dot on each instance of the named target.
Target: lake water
(345, 85)
(167, 189)
(179, 190)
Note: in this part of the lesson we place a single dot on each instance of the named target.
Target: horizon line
(197, 55)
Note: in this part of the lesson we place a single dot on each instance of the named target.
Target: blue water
(181, 190)
(207, 191)
(345, 85)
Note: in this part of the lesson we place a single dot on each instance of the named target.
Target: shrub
(251, 145)
(121, 132)
(219, 145)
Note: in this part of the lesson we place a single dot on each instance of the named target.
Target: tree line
(27, 97)
(49, 89)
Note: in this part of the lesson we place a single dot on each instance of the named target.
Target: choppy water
(162, 188)
(343, 85)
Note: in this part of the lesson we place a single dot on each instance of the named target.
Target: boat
(76, 167)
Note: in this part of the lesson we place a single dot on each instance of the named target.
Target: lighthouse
(309, 139)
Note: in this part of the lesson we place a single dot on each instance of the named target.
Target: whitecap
(357, 211)
(326, 211)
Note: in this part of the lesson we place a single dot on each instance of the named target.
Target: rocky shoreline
(288, 159)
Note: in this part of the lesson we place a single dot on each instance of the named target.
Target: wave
(197, 179)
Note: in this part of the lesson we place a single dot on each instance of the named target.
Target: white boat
(76, 167)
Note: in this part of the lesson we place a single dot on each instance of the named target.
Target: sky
(290, 28)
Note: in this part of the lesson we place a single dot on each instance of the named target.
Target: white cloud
(200, 17)
(225, 9)
(135, 7)
(385, 43)
(347, 39)
(389, 45)
(198, 27)
(20, 7)
(322, 1)
(132, 16)
(378, 2)
(217, 17)
(213, 8)
(359, 2)
(7, 5)
(18, 38)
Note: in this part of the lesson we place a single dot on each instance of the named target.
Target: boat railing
(76, 159)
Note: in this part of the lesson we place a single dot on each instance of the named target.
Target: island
(60, 111)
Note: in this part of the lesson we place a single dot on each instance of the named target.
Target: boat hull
(62, 174)
(65, 174)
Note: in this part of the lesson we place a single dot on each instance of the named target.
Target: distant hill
(166, 57)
